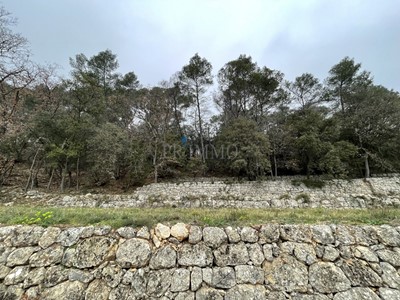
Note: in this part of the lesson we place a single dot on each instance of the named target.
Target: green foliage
(304, 197)
(39, 218)
(248, 148)
(103, 126)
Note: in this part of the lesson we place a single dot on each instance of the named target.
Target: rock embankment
(357, 193)
(189, 262)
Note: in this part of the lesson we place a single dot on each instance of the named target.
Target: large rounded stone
(246, 292)
(286, 274)
(97, 290)
(195, 255)
(231, 255)
(134, 253)
(389, 294)
(163, 258)
(360, 273)
(214, 236)
(65, 291)
(206, 293)
(180, 280)
(47, 257)
(91, 252)
(388, 235)
(327, 278)
(20, 256)
(357, 293)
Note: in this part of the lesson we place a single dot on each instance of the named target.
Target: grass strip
(118, 217)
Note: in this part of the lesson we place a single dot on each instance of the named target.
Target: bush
(303, 196)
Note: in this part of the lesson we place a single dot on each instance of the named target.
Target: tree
(247, 90)
(305, 90)
(344, 79)
(17, 73)
(372, 123)
(154, 111)
(195, 78)
(246, 148)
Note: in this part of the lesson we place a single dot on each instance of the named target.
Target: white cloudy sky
(155, 38)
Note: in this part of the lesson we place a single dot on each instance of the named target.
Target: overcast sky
(155, 38)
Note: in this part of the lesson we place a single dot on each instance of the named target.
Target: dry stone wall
(271, 261)
(376, 192)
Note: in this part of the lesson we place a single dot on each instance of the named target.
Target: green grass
(214, 217)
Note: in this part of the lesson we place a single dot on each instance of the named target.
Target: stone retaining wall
(272, 261)
(357, 193)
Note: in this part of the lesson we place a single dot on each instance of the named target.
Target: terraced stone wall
(357, 193)
(271, 261)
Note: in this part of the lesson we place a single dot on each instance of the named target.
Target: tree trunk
(366, 164)
(63, 176)
(30, 178)
(275, 166)
(51, 179)
(155, 163)
(200, 125)
(77, 174)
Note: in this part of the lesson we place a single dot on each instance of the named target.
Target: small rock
(126, 232)
(143, 233)
(233, 235)
(162, 232)
(388, 235)
(180, 231)
(366, 254)
(206, 293)
(180, 280)
(219, 277)
(330, 254)
(390, 276)
(65, 291)
(16, 275)
(322, 234)
(249, 235)
(97, 290)
(34, 277)
(195, 234)
(256, 254)
(196, 278)
(390, 256)
(4, 271)
(195, 255)
(249, 274)
(70, 236)
(269, 233)
(55, 275)
(79, 275)
(49, 237)
(231, 255)
(246, 292)
(47, 257)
